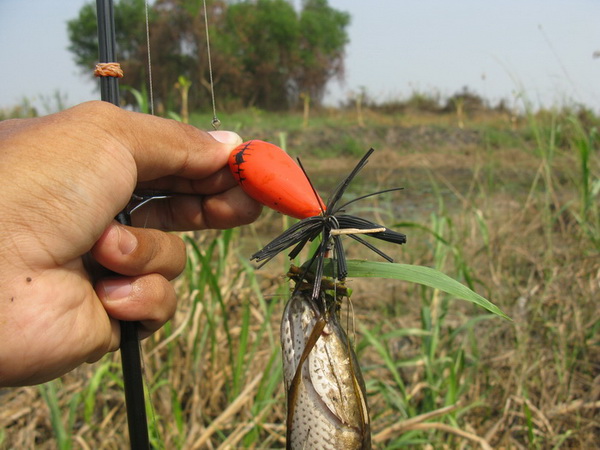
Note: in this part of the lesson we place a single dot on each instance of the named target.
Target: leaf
(420, 275)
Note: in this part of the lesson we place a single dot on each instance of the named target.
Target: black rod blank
(130, 346)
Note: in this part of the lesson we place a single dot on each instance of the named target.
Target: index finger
(164, 147)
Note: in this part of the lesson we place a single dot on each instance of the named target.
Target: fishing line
(142, 200)
(150, 88)
(216, 123)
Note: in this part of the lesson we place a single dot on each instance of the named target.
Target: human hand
(65, 177)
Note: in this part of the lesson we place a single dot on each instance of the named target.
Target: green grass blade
(49, 393)
(388, 360)
(420, 275)
(91, 393)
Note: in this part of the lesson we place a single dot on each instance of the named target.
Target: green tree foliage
(131, 41)
(264, 52)
(322, 44)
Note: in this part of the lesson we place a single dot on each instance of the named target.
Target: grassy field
(508, 205)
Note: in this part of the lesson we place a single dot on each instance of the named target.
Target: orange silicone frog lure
(270, 176)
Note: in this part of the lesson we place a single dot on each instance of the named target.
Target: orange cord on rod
(112, 69)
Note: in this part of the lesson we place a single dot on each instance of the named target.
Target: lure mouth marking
(238, 156)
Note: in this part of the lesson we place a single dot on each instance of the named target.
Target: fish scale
(327, 406)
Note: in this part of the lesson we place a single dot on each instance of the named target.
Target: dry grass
(507, 218)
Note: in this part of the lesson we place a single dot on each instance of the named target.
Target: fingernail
(226, 137)
(116, 289)
(127, 241)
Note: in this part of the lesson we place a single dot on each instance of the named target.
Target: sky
(538, 50)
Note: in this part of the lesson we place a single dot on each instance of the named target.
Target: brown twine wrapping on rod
(112, 69)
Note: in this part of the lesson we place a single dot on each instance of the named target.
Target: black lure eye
(331, 225)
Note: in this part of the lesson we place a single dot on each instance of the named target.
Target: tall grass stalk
(61, 431)
(586, 142)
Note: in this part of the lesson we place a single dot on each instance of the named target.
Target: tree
(178, 42)
(322, 47)
(264, 53)
(264, 43)
(130, 37)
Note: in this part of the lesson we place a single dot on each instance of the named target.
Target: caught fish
(326, 401)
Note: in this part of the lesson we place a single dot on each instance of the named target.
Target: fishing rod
(130, 345)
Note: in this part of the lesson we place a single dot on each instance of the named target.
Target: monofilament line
(149, 60)
(216, 123)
